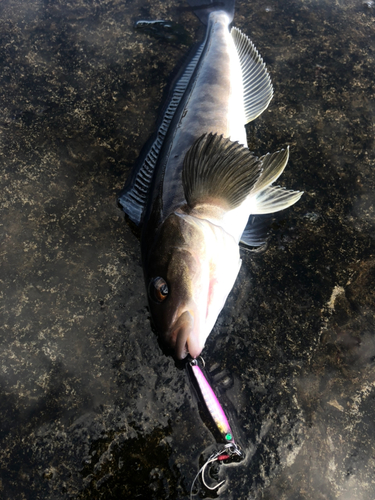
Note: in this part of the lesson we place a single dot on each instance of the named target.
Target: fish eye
(158, 289)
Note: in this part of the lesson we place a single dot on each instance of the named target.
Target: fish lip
(193, 347)
(180, 332)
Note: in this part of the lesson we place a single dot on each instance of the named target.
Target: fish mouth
(180, 334)
(183, 338)
(193, 346)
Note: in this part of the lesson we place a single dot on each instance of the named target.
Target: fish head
(188, 279)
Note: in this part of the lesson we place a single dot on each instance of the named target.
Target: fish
(197, 187)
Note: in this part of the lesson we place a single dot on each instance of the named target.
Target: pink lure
(230, 449)
(212, 404)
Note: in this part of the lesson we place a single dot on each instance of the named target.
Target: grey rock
(91, 408)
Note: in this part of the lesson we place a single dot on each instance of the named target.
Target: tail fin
(203, 8)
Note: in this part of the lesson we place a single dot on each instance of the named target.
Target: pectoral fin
(273, 166)
(219, 171)
(274, 199)
(269, 199)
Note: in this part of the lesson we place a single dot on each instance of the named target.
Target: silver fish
(194, 190)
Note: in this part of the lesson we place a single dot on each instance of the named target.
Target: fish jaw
(180, 332)
(185, 335)
(194, 346)
(183, 338)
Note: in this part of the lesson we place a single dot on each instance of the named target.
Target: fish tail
(203, 8)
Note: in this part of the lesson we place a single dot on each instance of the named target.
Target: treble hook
(228, 451)
(212, 458)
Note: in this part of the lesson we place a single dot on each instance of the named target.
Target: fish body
(195, 188)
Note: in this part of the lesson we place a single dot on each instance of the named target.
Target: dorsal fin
(219, 171)
(257, 86)
(133, 197)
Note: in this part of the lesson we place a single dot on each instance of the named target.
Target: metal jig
(230, 449)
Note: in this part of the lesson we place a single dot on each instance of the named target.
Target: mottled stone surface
(91, 408)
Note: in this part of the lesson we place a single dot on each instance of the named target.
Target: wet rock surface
(90, 406)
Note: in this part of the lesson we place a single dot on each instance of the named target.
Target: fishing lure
(230, 449)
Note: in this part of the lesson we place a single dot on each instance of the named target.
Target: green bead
(228, 437)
